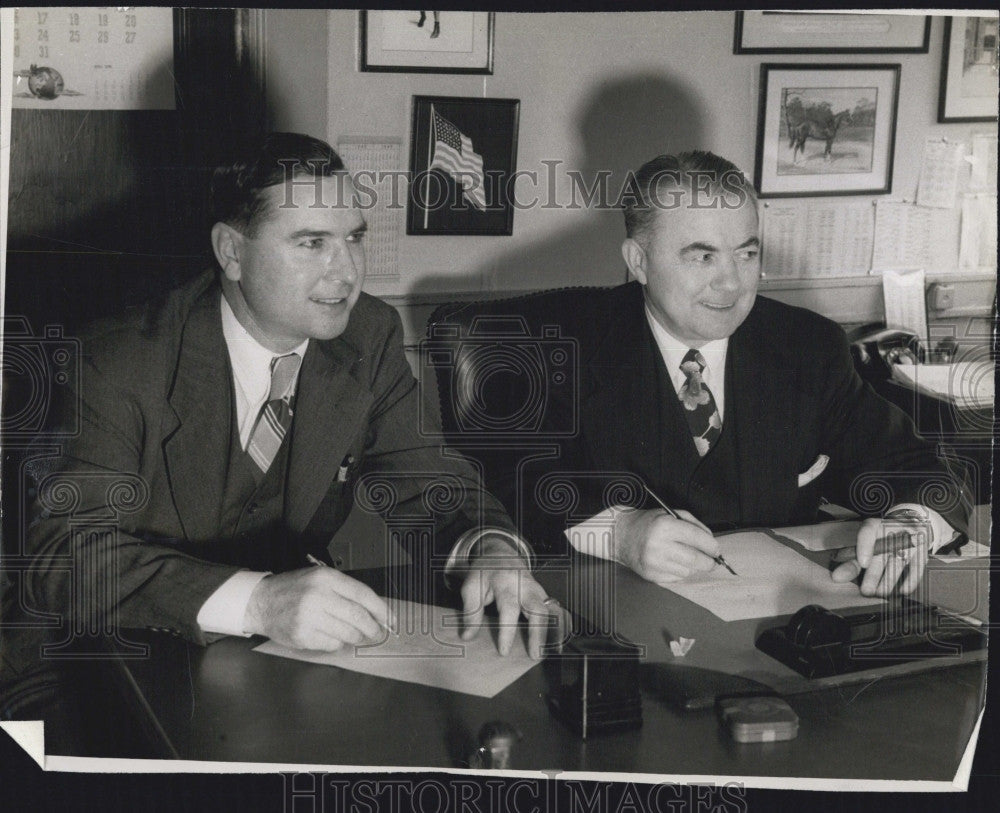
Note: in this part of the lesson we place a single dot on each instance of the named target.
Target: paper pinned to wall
(428, 651)
(773, 579)
(905, 302)
(817, 239)
(939, 173)
(983, 177)
(374, 165)
(90, 58)
(978, 245)
(909, 236)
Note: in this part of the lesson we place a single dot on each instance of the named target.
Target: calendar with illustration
(112, 58)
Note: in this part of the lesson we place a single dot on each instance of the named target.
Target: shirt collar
(251, 361)
(673, 351)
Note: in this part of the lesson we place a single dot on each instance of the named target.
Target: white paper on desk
(773, 580)
(823, 536)
(429, 651)
(968, 384)
(939, 173)
(905, 305)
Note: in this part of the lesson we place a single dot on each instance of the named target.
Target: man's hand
(663, 549)
(497, 573)
(316, 608)
(897, 570)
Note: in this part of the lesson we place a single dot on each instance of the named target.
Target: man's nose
(341, 264)
(727, 275)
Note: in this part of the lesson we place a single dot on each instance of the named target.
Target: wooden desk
(231, 704)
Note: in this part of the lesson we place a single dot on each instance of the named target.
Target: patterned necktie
(699, 404)
(276, 415)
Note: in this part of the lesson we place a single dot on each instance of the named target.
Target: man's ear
(635, 259)
(226, 243)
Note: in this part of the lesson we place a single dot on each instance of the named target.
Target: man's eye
(749, 255)
(702, 258)
(357, 237)
(313, 242)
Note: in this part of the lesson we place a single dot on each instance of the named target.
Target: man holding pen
(247, 410)
(734, 410)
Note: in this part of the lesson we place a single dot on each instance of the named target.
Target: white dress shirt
(673, 351)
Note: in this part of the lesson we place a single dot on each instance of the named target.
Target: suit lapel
(196, 449)
(329, 406)
(622, 416)
(760, 403)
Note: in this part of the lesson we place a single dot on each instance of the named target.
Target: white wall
(597, 90)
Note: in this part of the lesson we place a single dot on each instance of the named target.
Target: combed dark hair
(682, 171)
(237, 190)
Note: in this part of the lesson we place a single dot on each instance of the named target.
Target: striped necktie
(699, 403)
(276, 415)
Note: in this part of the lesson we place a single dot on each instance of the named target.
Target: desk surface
(228, 703)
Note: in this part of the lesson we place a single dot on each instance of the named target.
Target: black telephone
(875, 348)
(817, 642)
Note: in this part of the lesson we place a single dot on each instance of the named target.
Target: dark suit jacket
(155, 406)
(792, 393)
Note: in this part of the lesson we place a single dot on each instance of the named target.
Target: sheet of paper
(968, 384)
(970, 550)
(909, 236)
(109, 58)
(905, 303)
(978, 245)
(772, 580)
(939, 173)
(823, 535)
(429, 651)
(374, 164)
(983, 177)
(817, 239)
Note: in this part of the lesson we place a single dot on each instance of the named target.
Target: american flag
(453, 154)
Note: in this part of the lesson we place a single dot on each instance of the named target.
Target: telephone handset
(876, 348)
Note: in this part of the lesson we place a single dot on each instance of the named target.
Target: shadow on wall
(622, 124)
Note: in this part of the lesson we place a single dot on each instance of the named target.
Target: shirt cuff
(595, 536)
(461, 553)
(224, 610)
(941, 531)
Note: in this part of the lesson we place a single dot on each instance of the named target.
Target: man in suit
(241, 416)
(735, 410)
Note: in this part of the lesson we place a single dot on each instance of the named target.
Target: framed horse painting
(826, 130)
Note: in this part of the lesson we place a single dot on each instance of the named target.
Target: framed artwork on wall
(803, 32)
(426, 41)
(969, 70)
(826, 129)
(463, 153)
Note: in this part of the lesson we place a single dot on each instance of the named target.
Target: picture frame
(840, 137)
(463, 155)
(969, 70)
(802, 32)
(426, 42)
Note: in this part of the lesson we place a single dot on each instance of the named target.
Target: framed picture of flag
(463, 153)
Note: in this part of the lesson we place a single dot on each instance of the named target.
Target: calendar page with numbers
(112, 58)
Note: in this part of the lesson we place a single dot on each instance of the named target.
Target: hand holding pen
(664, 546)
(670, 511)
